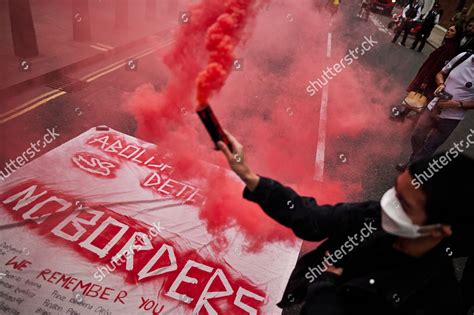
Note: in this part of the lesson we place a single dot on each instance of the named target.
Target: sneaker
(401, 167)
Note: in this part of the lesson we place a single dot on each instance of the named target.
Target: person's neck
(449, 41)
(416, 247)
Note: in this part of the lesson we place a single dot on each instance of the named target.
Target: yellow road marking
(28, 103)
(123, 63)
(20, 110)
(98, 48)
(37, 104)
(117, 67)
(111, 65)
(104, 45)
(137, 55)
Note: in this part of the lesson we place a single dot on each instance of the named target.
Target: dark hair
(457, 38)
(459, 33)
(449, 192)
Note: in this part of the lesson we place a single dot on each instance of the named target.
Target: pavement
(59, 54)
(437, 36)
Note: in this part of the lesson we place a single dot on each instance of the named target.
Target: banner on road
(100, 226)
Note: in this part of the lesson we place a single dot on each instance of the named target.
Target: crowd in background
(444, 83)
(458, 38)
(420, 224)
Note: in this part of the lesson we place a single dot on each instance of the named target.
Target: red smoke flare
(222, 37)
(267, 108)
(168, 117)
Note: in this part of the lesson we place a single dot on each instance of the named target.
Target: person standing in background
(364, 10)
(444, 112)
(410, 14)
(333, 6)
(425, 79)
(430, 20)
(460, 18)
(467, 41)
(318, 5)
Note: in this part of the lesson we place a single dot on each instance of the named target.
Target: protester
(410, 14)
(467, 42)
(430, 20)
(425, 79)
(364, 10)
(401, 268)
(318, 5)
(467, 284)
(443, 115)
(460, 18)
(333, 6)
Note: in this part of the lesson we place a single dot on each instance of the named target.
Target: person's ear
(446, 230)
(441, 232)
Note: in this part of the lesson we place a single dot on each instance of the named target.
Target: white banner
(100, 226)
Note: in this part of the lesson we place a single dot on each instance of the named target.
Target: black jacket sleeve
(304, 216)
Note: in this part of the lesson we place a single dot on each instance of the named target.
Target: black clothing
(377, 279)
(467, 284)
(467, 45)
(430, 18)
(405, 27)
(421, 37)
(408, 23)
(412, 11)
(426, 28)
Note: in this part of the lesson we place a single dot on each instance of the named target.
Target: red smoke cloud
(266, 107)
(222, 37)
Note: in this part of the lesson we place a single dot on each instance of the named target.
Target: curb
(56, 73)
(430, 42)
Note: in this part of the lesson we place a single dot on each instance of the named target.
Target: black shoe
(401, 44)
(419, 50)
(412, 47)
(401, 167)
(400, 119)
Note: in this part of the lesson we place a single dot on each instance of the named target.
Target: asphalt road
(73, 113)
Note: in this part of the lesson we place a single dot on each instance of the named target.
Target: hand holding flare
(236, 158)
(212, 125)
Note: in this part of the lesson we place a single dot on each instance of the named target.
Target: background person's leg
(399, 31)
(406, 31)
(417, 40)
(441, 130)
(423, 40)
(420, 132)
